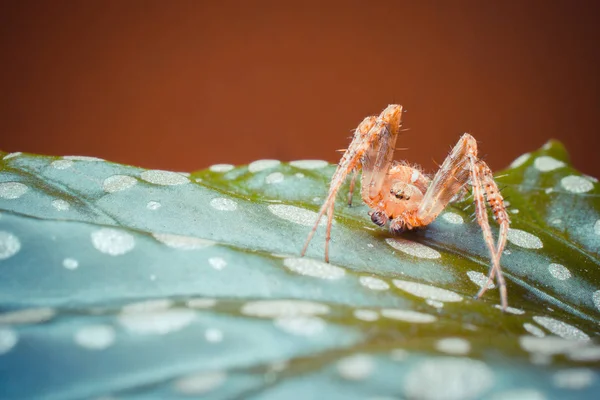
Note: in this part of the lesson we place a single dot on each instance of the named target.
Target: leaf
(119, 281)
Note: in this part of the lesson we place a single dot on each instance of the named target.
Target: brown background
(184, 84)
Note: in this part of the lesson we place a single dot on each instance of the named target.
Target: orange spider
(406, 198)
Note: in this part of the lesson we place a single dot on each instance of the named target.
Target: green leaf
(120, 281)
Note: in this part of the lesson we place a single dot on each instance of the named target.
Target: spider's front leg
(350, 161)
(371, 150)
(352, 185)
(460, 167)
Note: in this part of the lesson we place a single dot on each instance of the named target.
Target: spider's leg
(451, 179)
(352, 184)
(459, 167)
(378, 158)
(482, 220)
(481, 179)
(328, 231)
(496, 203)
(350, 160)
(371, 149)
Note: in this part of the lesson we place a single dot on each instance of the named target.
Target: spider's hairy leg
(352, 184)
(496, 203)
(378, 158)
(457, 169)
(450, 180)
(351, 160)
(480, 179)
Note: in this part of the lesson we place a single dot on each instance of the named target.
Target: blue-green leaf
(120, 281)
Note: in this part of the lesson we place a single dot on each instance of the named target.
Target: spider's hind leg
(494, 199)
(482, 182)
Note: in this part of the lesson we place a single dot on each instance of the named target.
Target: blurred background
(181, 85)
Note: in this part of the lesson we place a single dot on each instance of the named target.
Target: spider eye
(399, 194)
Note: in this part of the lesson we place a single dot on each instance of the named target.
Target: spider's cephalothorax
(403, 197)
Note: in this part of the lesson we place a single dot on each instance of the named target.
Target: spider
(403, 197)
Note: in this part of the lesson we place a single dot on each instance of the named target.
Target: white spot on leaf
(217, 263)
(200, 383)
(548, 345)
(309, 164)
(511, 310)
(522, 159)
(95, 337)
(585, 353)
(295, 214)
(314, 268)
(524, 239)
(357, 367)
(453, 345)
(597, 228)
(283, 308)
(9, 245)
(546, 163)
(373, 283)
(82, 158)
(274, 177)
(559, 271)
(60, 205)
(366, 315)
(560, 328)
(8, 340)
(534, 330)
(576, 184)
(480, 279)
(261, 165)
(165, 178)
(221, 168)
(408, 316)
(596, 299)
(427, 291)
(117, 183)
(61, 164)
(70, 263)
(182, 242)
(12, 155)
(153, 205)
(12, 190)
(452, 218)
(449, 379)
(413, 248)
(112, 241)
(27, 316)
(574, 378)
(213, 335)
(156, 322)
(223, 204)
(434, 303)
